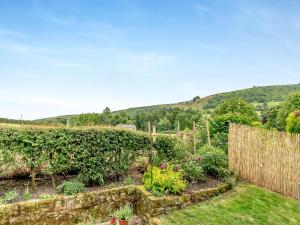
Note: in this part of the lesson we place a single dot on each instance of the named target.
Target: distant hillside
(265, 96)
(5, 120)
(262, 98)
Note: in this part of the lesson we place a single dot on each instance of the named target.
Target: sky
(75, 56)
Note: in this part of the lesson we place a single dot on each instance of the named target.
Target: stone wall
(148, 207)
(65, 210)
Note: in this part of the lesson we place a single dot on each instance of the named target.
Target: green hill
(262, 97)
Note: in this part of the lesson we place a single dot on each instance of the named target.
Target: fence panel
(267, 158)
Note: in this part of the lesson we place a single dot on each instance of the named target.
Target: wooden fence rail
(267, 158)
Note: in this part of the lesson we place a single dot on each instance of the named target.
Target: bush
(193, 171)
(293, 122)
(128, 181)
(165, 180)
(27, 195)
(290, 105)
(94, 153)
(9, 197)
(71, 187)
(219, 128)
(170, 149)
(215, 162)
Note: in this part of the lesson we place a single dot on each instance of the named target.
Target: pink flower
(199, 158)
(163, 165)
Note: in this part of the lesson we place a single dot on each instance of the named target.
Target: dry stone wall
(65, 210)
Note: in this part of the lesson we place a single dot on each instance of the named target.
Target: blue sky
(73, 56)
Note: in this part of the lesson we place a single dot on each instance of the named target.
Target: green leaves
(94, 153)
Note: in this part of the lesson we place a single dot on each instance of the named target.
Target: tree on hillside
(270, 118)
(105, 116)
(233, 110)
(87, 119)
(236, 106)
(290, 105)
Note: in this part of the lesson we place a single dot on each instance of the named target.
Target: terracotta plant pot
(123, 222)
(113, 221)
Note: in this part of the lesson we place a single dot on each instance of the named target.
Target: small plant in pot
(124, 214)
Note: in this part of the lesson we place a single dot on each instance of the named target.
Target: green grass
(246, 204)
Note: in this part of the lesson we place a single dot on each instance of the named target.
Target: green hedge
(92, 152)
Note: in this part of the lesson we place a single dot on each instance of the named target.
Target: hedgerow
(93, 153)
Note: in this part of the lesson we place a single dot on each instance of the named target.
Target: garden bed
(99, 204)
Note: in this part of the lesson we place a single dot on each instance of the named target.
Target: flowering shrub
(165, 180)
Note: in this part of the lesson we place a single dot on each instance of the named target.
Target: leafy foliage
(71, 187)
(193, 170)
(165, 180)
(293, 122)
(290, 105)
(236, 106)
(9, 197)
(92, 152)
(215, 162)
(170, 149)
(27, 195)
(128, 181)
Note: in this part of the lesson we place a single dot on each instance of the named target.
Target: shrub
(293, 122)
(291, 104)
(215, 162)
(71, 187)
(93, 152)
(219, 128)
(128, 181)
(165, 180)
(170, 149)
(193, 171)
(9, 197)
(27, 195)
(124, 213)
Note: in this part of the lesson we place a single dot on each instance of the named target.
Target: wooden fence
(267, 158)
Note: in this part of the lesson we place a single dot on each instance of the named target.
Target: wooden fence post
(194, 136)
(178, 129)
(208, 132)
(154, 134)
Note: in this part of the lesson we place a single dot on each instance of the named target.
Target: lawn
(246, 204)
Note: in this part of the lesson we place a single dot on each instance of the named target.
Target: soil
(210, 183)
(44, 184)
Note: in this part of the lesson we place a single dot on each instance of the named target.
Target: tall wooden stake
(151, 153)
(194, 136)
(178, 129)
(208, 133)
(154, 134)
